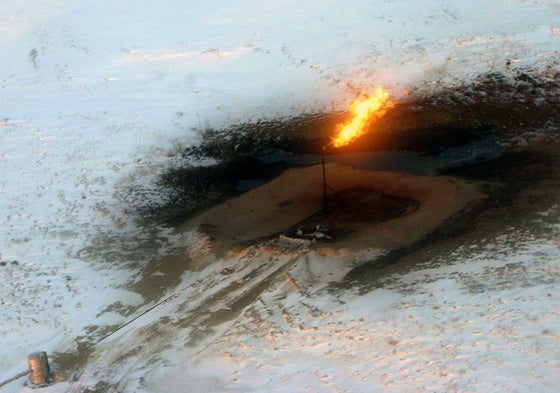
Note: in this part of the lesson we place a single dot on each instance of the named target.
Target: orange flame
(364, 112)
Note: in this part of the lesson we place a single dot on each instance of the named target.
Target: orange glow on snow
(363, 114)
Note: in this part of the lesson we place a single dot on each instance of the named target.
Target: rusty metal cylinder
(39, 372)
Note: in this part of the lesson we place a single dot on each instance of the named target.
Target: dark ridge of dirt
(425, 121)
(351, 207)
(302, 133)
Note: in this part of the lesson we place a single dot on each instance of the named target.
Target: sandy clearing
(296, 195)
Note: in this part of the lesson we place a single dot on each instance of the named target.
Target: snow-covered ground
(484, 317)
(98, 95)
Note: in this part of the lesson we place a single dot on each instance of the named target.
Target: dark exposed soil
(362, 204)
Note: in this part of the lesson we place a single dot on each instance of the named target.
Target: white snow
(97, 95)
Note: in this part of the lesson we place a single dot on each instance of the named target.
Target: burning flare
(364, 112)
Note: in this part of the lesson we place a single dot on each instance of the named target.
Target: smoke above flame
(363, 114)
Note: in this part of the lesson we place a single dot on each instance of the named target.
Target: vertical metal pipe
(324, 199)
(39, 372)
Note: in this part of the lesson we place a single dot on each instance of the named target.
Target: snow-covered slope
(483, 318)
(94, 95)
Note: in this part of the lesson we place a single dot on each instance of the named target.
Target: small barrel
(39, 372)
